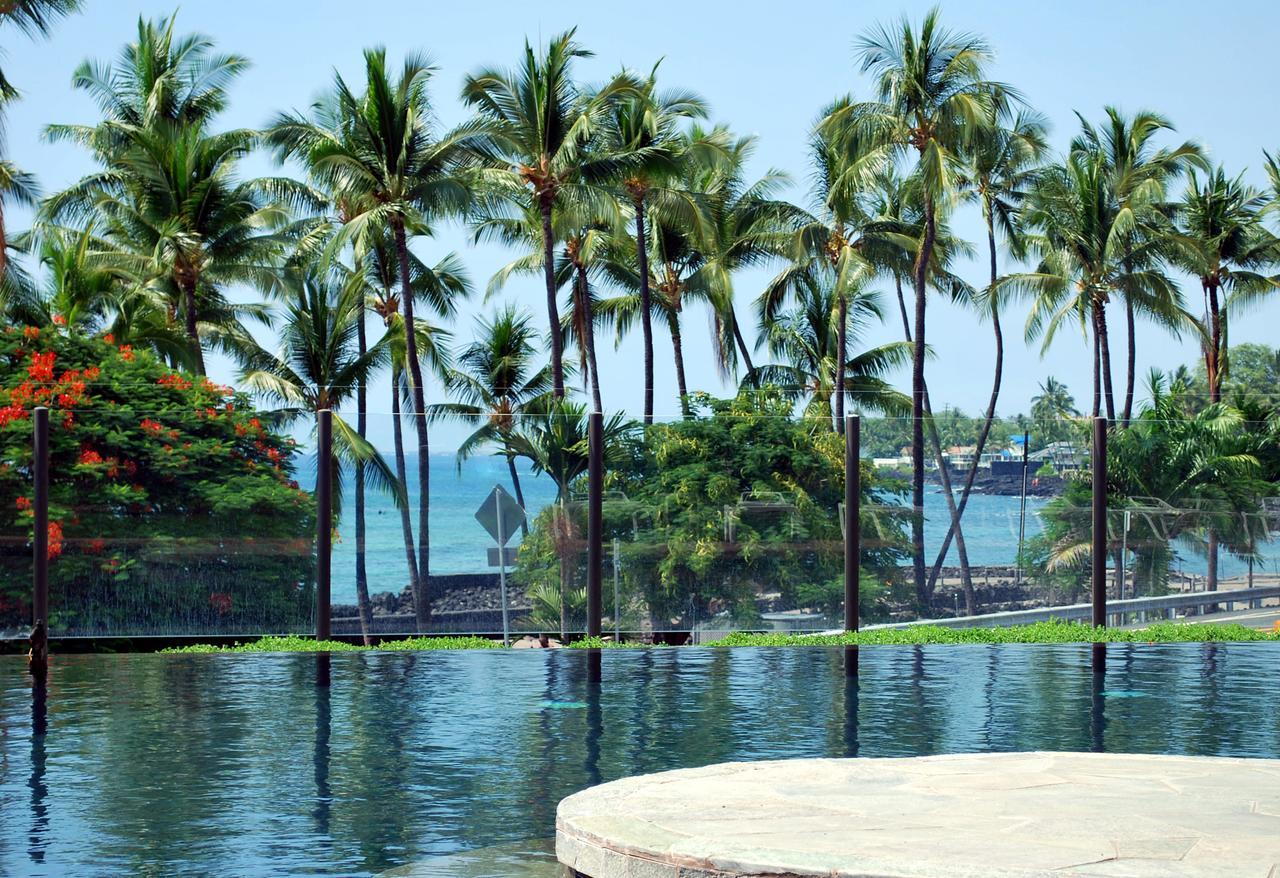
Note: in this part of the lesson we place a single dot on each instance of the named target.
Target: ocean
(459, 543)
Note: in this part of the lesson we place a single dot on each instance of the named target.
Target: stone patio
(1014, 815)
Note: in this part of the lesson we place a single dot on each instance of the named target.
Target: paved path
(1014, 815)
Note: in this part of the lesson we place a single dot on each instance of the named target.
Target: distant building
(1065, 457)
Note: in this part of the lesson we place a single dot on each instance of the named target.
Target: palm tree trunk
(842, 341)
(421, 597)
(189, 322)
(741, 342)
(1097, 370)
(1213, 362)
(677, 345)
(646, 322)
(1104, 347)
(987, 421)
(902, 307)
(406, 522)
(515, 485)
(4, 245)
(1211, 578)
(1130, 376)
(944, 476)
(1215, 396)
(362, 428)
(921, 279)
(545, 202)
(589, 334)
(566, 572)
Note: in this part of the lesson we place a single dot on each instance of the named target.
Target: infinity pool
(241, 765)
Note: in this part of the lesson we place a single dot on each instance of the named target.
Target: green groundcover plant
(172, 506)
(924, 635)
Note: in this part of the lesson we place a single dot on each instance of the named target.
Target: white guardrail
(1141, 609)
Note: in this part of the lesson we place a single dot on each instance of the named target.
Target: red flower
(12, 412)
(109, 338)
(154, 428)
(41, 368)
(31, 332)
(55, 539)
(97, 546)
(126, 352)
(24, 503)
(59, 320)
(175, 381)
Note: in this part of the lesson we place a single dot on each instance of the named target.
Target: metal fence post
(324, 520)
(1098, 559)
(40, 543)
(1098, 579)
(852, 518)
(595, 522)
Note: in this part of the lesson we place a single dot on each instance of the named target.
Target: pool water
(242, 765)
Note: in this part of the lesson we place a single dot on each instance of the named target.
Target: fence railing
(1119, 612)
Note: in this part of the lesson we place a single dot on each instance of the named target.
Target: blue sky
(765, 69)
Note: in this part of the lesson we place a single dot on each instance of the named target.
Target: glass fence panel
(181, 517)
(732, 519)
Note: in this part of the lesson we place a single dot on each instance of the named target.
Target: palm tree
(738, 224)
(1090, 250)
(553, 437)
(1204, 466)
(160, 78)
(932, 98)
(1223, 243)
(586, 234)
(545, 130)
(646, 123)
(181, 222)
(1141, 174)
(380, 149)
(1002, 163)
(317, 367)
(839, 246)
(811, 346)
(496, 378)
(1051, 409)
(440, 287)
(168, 197)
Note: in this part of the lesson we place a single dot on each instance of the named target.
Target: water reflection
(850, 713)
(324, 728)
(1098, 711)
(193, 765)
(39, 833)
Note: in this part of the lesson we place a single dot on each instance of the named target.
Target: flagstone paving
(1010, 815)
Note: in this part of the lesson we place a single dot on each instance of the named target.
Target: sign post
(500, 514)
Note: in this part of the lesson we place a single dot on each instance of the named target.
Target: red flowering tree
(173, 509)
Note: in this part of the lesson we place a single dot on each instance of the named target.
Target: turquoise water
(240, 765)
(458, 542)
